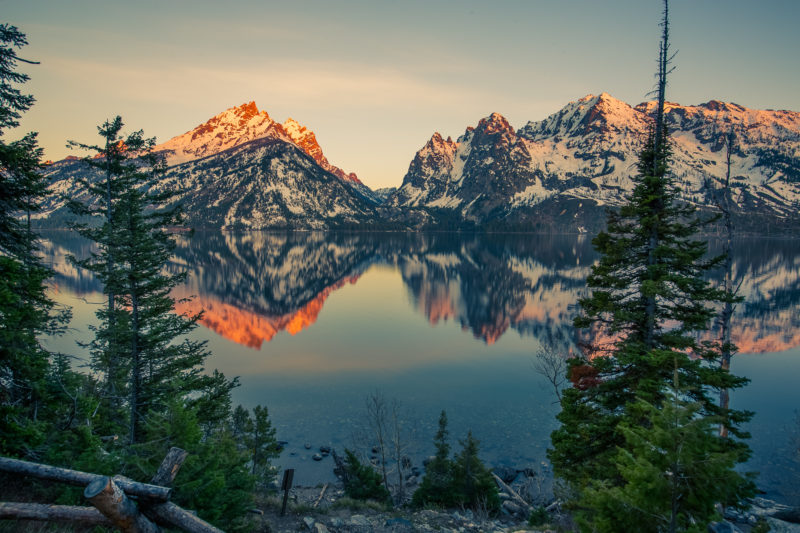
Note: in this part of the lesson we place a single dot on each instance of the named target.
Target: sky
(374, 79)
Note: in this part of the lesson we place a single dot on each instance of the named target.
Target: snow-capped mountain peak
(591, 114)
(242, 124)
(494, 123)
(230, 128)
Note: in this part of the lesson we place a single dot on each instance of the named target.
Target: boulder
(317, 457)
(359, 521)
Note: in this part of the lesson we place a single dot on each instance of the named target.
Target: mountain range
(243, 170)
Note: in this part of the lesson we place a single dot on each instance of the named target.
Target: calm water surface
(313, 323)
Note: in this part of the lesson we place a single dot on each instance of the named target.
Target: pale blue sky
(374, 79)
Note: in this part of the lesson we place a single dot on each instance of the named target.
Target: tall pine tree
(26, 312)
(141, 344)
(649, 301)
(114, 166)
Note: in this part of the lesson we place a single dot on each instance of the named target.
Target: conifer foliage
(140, 346)
(641, 404)
(463, 481)
(154, 390)
(26, 312)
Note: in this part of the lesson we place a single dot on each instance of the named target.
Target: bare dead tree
(551, 363)
(378, 421)
(398, 446)
(388, 434)
(726, 345)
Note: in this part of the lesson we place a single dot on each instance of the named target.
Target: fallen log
(170, 515)
(511, 492)
(53, 513)
(321, 494)
(75, 477)
(110, 500)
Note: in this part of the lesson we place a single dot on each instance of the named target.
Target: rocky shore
(326, 509)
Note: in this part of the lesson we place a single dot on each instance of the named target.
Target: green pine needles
(463, 481)
(639, 441)
(31, 394)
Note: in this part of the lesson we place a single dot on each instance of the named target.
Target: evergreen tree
(215, 479)
(141, 345)
(112, 168)
(363, 482)
(674, 472)
(472, 481)
(256, 437)
(436, 485)
(265, 446)
(650, 300)
(26, 312)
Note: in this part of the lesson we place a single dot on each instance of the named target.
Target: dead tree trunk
(53, 513)
(726, 316)
(110, 500)
(169, 467)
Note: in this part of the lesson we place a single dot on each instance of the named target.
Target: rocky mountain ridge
(557, 173)
(240, 170)
(584, 156)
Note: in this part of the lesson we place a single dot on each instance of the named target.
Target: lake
(313, 323)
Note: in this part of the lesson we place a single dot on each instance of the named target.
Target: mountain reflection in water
(318, 320)
(253, 286)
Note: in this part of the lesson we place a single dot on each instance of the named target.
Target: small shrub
(762, 526)
(463, 481)
(360, 505)
(538, 517)
(361, 481)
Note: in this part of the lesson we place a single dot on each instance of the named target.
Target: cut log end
(95, 487)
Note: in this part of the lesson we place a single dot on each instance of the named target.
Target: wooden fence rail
(82, 479)
(112, 507)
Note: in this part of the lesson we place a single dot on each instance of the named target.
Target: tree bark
(53, 513)
(75, 477)
(727, 310)
(110, 500)
(136, 378)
